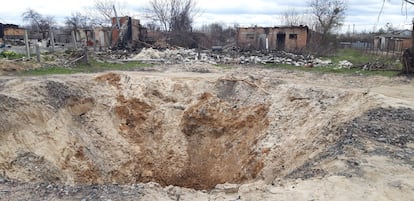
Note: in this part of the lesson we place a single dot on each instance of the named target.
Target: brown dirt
(9, 67)
(245, 133)
(112, 78)
(221, 140)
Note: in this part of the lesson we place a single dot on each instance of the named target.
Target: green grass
(50, 71)
(223, 66)
(330, 69)
(91, 67)
(11, 55)
(356, 57)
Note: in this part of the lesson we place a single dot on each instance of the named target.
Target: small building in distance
(394, 41)
(10, 33)
(288, 38)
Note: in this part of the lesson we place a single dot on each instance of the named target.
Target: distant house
(394, 41)
(11, 31)
(289, 38)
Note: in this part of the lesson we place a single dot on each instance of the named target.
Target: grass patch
(330, 69)
(357, 58)
(92, 67)
(223, 66)
(354, 56)
(50, 71)
(11, 55)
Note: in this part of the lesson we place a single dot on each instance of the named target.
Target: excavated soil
(10, 67)
(247, 134)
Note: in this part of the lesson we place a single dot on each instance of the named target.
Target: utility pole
(37, 52)
(353, 30)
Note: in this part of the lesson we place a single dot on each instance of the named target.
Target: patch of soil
(387, 131)
(10, 67)
(60, 94)
(112, 79)
(221, 142)
(135, 114)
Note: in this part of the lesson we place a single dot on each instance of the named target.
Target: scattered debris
(345, 64)
(229, 56)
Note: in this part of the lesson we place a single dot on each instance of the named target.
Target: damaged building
(288, 38)
(395, 41)
(11, 33)
(127, 33)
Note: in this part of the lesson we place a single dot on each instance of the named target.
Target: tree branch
(409, 1)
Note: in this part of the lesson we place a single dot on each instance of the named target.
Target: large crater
(188, 131)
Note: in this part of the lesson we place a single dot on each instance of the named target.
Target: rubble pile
(181, 55)
(192, 58)
(345, 64)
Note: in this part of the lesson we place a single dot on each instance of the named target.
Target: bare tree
(173, 15)
(181, 19)
(405, 4)
(405, 1)
(78, 21)
(329, 14)
(215, 32)
(42, 24)
(159, 12)
(219, 34)
(293, 18)
(33, 18)
(103, 10)
(151, 26)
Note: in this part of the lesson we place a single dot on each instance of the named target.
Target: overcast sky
(361, 14)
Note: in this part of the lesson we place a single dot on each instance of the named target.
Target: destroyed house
(11, 31)
(127, 32)
(395, 41)
(288, 38)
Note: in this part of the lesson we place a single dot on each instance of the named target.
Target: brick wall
(279, 38)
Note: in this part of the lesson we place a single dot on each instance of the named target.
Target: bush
(10, 55)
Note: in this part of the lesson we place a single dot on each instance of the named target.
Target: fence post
(37, 52)
(26, 41)
(85, 54)
(75, 45)
(52, 40)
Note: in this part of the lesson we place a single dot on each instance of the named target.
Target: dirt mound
(8, 67)
(191, 130)
(112, 78)
(379, 131)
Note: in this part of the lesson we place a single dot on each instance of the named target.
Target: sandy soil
(239, 134)
(8, 67)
